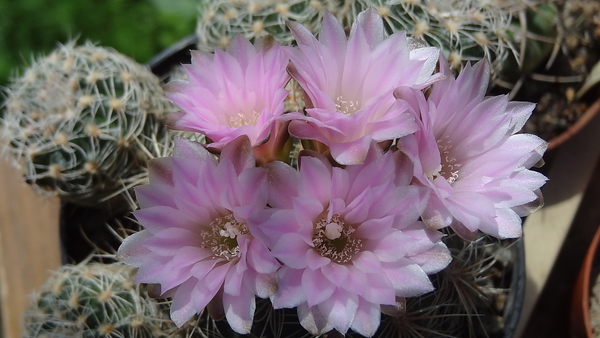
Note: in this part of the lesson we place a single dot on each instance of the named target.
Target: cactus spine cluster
(221, 20)
(464, 30)
(81, 119)
(95, 300)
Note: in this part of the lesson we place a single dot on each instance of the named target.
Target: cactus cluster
(81, 119)
(95, 300)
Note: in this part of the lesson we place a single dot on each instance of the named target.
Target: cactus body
(81, 119)
(221, 20)
(464, 30)
(95, 300)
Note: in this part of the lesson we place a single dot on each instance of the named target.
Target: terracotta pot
(580, 306)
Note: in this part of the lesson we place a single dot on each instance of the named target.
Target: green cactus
(81, 119)
(464, 30)
(472, 299)
(96, 300)
(472, 296)
(221, 20)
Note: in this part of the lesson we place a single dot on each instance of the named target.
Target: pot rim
(583, 120)
(581, 294)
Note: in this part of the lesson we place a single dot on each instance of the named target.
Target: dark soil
(554, 88)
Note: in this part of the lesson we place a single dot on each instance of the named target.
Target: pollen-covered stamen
(345, 106)
(221, 238)
(243, 119)
(450, 165)
(334, 240)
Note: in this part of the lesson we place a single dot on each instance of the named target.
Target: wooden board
(29, 244)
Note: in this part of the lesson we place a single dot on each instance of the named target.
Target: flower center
(221, 238)
(450, 166)
(334, 240)
(346, 107)
(243, 119)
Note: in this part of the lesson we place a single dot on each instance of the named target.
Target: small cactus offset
(95, 300)
(75, 121)
(221, 20)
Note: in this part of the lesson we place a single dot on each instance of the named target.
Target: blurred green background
(137, 28)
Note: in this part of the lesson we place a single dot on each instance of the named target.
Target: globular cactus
(220, 20)
(473, 296)
(81, 120)
(464, 30)
(95, 300)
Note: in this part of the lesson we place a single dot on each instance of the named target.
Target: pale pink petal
(182, 308)
(336, 273)
(239, 311)
(468, 153)
(367, 318)
(312, 320)
(290, 249)
(408, 280)
(198, 205)
(132, 250)
(340, 310)
(349, 84)
(290, 293)
(237, 92)
(316, 287)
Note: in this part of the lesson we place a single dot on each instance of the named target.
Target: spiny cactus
(82, 119)
(515, 36)
(95, 300)
(464, 30)
(221, 20)
(471, 295)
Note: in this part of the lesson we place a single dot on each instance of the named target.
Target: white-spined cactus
(95, 300)
(464, 30)
(220, 20)
(81, 120)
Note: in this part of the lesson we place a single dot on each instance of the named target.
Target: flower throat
(221, 239)
(334, 240)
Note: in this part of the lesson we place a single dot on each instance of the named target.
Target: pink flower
(237, 92)
(469, 154)
(349, 240)
(196, 243)
(349, 84)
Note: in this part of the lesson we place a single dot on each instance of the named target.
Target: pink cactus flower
(468, 152)
(349, 240)
(196, 243)
(232, 93)
(349, 84)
